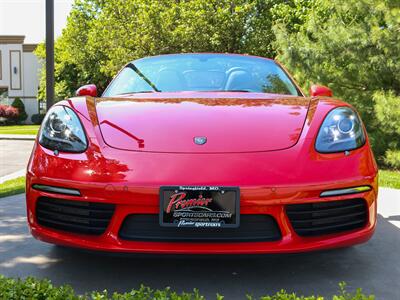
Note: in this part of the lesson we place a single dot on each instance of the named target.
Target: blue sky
(27, 17)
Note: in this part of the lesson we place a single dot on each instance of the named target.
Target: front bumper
(253, 201)
(268, 181)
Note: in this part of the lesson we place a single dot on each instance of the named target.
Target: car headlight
(341, 130)
(62, 130)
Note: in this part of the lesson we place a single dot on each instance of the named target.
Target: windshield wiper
(229, 91)
(244, 91)
(137, 71)
(138, 92)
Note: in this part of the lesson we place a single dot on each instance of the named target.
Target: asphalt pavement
(14, 156)
(374, 266)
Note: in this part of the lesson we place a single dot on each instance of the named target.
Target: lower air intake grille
(320, 218)
(74, 216)
(252, 228)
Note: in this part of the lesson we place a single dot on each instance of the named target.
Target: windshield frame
(299, 91)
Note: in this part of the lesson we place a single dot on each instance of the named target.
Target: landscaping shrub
(34, 289)
(37, 119)
(8, 112)
(18, 104)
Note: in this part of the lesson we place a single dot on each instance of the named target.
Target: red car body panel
(117, 169)
(262, 143)
(230, 124)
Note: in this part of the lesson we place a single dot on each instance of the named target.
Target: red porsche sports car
(202, 154)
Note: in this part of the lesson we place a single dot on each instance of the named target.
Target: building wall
(19, 72)
(31, 83)
(11, 51)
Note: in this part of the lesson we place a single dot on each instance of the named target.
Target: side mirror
(320, 90)
(87, 90)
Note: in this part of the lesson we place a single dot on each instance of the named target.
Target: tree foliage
(76, 61)
(353, 47)
(101, 36)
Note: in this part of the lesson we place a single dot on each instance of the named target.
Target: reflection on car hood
(218, 122)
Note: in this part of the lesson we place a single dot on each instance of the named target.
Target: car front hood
(228, 125)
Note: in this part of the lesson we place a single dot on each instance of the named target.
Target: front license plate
(199, 206)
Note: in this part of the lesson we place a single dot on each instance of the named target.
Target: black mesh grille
(252, 228)
(320, 218)
(74, 216)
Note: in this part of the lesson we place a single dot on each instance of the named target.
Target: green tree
(18, 104)
(353, 47)
(101, 36)
(130, 29)
(76, 62)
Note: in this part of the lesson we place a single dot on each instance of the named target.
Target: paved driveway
(14, 155)
(374, 266)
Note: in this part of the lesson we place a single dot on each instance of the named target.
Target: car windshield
(202, 72)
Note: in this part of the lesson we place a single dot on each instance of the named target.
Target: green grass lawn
(389, 179)
(19, 129)
(12, 187)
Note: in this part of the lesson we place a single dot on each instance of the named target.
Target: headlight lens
(341, 131)
(62, 131)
